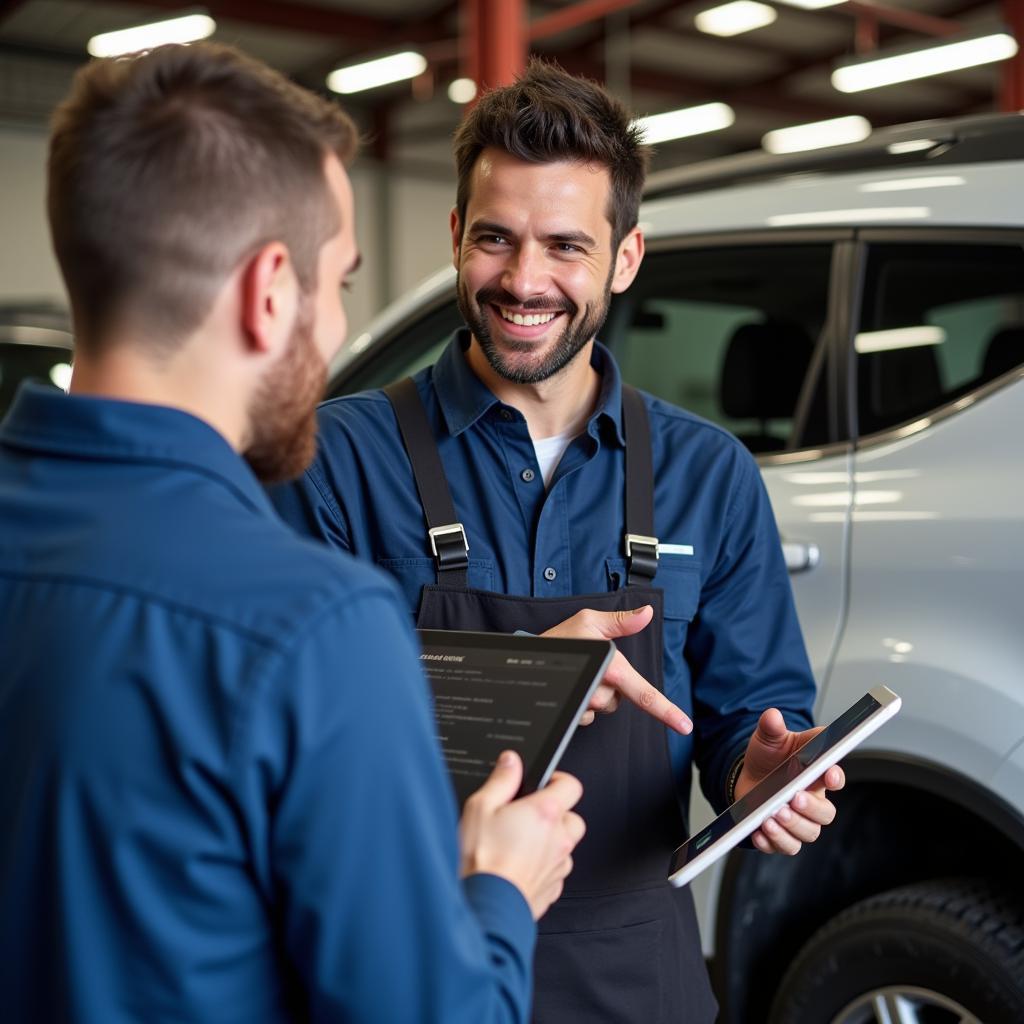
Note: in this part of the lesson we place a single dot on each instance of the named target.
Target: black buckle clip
(642, 553)
(450, 546)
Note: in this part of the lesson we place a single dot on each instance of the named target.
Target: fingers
(798, 823)
(631, 685)
(771, 728)
(778, 839)
(564, 788)
(833, 780)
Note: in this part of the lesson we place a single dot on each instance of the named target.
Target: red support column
(493, 41)
(1012, 95)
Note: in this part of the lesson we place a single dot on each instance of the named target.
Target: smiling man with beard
(520, 484)
(222, 797)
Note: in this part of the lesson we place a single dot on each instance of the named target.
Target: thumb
(503, 782)
(771, 728)
(624, 623)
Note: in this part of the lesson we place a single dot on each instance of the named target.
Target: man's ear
(270, 298)
(456, 228)
(628, 260)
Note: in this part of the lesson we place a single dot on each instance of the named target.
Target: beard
(282, 414)
(579, 329)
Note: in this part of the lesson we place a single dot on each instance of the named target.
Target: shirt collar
(464, 398)
(48, 421)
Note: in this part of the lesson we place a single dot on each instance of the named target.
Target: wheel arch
(901, 819)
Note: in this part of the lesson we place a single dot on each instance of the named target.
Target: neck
(122, 372)
(551, 406)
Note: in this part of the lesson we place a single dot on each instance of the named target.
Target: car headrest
(897, 384)
(1005, 351)
(764, 369)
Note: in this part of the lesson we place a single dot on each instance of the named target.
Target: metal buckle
(444, 531)
(636, 538)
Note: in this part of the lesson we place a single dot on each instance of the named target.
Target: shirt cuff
(503, 912)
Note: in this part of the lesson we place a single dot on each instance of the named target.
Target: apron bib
(621, 944)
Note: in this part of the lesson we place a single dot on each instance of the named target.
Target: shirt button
(527, 475)
(550, 574)
(506, 414)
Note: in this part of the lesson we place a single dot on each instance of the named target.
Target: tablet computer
(772, 793)
(495, 692)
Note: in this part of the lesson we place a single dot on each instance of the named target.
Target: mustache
(541, 304)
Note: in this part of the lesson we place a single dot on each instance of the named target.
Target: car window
(937, 321)
(402, 354)
(731, 334)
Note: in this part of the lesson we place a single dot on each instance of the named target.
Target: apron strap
(640, 542)
(447, 536)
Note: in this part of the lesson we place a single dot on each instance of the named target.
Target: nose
(526, 274)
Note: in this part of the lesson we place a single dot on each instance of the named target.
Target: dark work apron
(621, 944)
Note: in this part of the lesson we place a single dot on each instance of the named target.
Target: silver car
(856, 317)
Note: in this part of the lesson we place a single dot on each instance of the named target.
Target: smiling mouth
(527, 319)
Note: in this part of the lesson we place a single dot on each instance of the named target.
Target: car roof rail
(980, 138)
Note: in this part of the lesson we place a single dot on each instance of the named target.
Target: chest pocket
(678, 576)
(413, 574)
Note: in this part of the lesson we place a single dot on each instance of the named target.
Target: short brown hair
(548, 115)
(168, 168)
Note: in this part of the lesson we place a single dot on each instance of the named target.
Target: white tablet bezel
(889, 704)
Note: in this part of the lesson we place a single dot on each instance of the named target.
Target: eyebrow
(578, 237)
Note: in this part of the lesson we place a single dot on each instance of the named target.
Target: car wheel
(934, 953)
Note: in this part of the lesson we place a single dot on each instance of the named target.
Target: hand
(802, 819)
(528, 841)
(621, 679)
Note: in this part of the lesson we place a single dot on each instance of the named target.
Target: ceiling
(648, 51)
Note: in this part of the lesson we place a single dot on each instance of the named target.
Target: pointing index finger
(646, 697)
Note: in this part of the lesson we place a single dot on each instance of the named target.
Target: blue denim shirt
(732, 642)
(221, 795)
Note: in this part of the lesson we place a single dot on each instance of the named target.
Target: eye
(568, 248)
(491, 239)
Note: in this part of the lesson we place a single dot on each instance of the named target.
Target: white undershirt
(550, 450)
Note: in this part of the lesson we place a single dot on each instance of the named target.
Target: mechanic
(222, 796)
(518, 484)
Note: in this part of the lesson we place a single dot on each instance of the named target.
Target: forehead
(562, 190)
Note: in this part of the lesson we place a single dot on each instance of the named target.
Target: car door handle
(800, 557)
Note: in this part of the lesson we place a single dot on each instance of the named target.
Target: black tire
(957, 940)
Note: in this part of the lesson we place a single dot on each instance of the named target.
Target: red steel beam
(494, 41)
(574, 16)
(913, 21)
(1011, 95)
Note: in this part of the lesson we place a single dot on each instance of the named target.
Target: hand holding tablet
(773, 792)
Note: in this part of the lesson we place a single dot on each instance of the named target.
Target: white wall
(28, 270)
(400, 244)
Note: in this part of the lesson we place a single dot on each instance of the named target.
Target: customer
(221, 795)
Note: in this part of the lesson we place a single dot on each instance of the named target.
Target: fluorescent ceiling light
(812, 5)
(865, 215)
(901, 337)
(462, 90)
(185, 29)
(374, 73)
(837, 131)
(734, 18)
(934, 60)
(60, 375)
(910, 146)
(678, 124)
(908, 184)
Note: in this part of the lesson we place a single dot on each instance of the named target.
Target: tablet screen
(495, 692)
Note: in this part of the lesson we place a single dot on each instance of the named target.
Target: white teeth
(530, 320)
